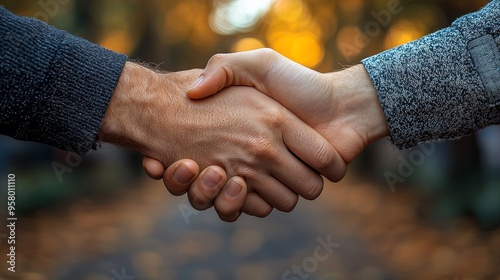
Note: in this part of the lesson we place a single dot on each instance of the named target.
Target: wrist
(359, 104)
(132, 96)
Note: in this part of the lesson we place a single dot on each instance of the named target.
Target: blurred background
(431, 212)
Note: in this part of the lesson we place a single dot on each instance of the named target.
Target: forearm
(55, 87)
(435, 88)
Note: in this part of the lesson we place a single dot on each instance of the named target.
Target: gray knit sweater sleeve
(54, 87)
(445, 85)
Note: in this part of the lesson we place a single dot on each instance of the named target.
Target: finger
(313, 149)
(274, 192)
(179, 176)
(297, 176)
(206, 187)
(255, 205)
(243, 69)
(153, 168)
(229, 202)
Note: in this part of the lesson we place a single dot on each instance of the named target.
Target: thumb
(237, 69)
(212, 80)
(223, 70)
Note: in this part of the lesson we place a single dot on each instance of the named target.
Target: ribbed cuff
(84, 76)
(55, 87)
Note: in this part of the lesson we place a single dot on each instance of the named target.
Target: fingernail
(233, 188)
(211, 178)
(182, 174)
(196, 83)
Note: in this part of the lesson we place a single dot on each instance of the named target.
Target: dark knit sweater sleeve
(445, 85)
(54, 87)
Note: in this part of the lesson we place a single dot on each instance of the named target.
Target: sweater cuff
(84, 76)
(430, 89)
(55, 87)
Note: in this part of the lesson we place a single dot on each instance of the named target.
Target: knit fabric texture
(54, 87)
(445, 85)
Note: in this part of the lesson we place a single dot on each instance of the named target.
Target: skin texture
(252, 139)
(342, 106)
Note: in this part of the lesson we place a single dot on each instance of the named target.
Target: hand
(247, 134)
(341, 106)
(184, 175)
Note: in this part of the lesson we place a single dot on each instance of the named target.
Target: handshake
(251, 132)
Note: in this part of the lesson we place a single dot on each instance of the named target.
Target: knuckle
(263, 148)
(266, 143)
(274, 116)
(216, 58)
(268, 52)
(244, 170)
(271, 59)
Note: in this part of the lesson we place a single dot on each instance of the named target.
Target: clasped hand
(269, 155)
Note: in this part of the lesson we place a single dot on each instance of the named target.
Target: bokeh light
(350, 41)
(178, 23)
(237, 15)
(303, 47)
(402, 32)
(187, 20)
(351, 6)
(118, 41)
(247, 44)
(289, 10)
(295, 33)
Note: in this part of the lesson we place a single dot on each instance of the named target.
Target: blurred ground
(144, 234)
